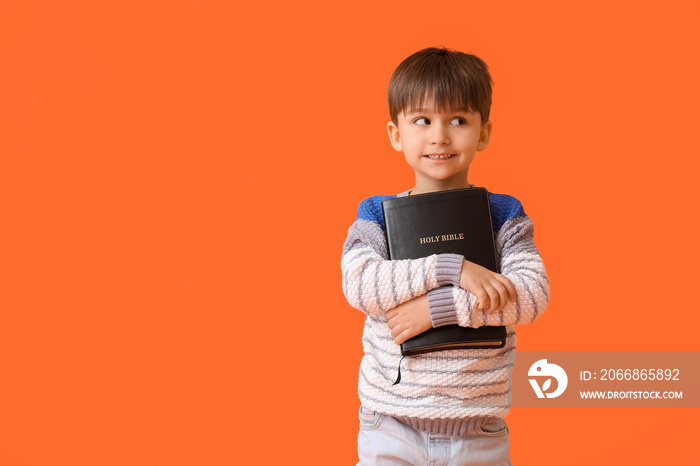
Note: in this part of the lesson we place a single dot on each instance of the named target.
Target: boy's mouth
(439, 156)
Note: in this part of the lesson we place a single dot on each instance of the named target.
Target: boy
(449, 406)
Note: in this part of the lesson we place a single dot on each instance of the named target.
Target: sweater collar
(408, 191)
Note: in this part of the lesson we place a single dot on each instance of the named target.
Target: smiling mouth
(439, 156)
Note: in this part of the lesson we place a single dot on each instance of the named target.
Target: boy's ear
(394, 136)
(484, 136)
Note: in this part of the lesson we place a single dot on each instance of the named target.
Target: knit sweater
(448, 392)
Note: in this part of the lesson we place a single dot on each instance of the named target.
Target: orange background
(177, 180)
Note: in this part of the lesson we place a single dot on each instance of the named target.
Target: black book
(455, 221)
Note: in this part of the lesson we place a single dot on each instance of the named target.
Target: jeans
(384, 440)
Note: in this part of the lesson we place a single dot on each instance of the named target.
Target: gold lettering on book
(439, 238)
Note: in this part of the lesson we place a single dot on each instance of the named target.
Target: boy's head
(442, 77)
(439, 102)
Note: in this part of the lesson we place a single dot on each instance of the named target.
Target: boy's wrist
(468, 270)
(462, 278)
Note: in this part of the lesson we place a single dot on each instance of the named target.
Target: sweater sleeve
(520, 263)
(374, 284)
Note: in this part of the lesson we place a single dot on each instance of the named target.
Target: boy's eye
(458, 121)
(422, 121)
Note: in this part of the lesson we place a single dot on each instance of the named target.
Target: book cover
(455, 221)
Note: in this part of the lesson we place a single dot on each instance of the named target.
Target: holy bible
(455, 221)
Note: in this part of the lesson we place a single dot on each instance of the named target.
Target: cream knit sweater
(448, 392)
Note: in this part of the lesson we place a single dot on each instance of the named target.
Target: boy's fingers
(502, 294)
(494, 300)
(401, 337)
(509, 287)
(483, 301)
(396, 330)
(506, 296)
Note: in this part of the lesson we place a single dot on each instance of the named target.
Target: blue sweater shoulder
(371, 209)
(504, 208)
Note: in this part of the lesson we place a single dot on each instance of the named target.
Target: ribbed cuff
(442, 306)
(448, 269)
(449, 427)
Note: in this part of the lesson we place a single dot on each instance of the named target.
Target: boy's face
(439, 146)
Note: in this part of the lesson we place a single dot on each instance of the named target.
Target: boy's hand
(493, 290)
(409, 319)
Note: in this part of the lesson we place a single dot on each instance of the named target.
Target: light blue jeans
(386, 441)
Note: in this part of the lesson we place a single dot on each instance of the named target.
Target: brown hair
(452, 79)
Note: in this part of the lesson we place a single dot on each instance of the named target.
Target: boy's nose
(439, 135)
